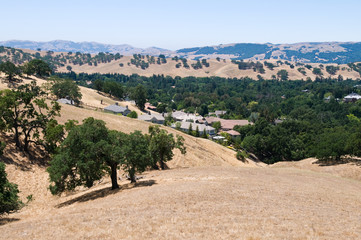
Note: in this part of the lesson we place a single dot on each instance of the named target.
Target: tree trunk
(132, 176)
(16, 137)
(162, 163)
(114, 176)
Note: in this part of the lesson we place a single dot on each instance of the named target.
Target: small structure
(116, 109)
(184, 126)
(150, 106)
(233, 134)
(153, 118)
(219, 138)
(65, 101)
(352, 97)
(218, 113)
(327, 99)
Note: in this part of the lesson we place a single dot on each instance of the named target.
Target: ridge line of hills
(307, 52)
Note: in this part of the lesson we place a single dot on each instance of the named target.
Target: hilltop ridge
(308, 52)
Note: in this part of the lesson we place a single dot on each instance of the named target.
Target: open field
(206, 194)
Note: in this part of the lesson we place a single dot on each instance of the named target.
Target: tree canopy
(66, 88)
(26, 113)
(9, 199)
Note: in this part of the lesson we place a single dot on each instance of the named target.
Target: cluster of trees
(113, 88)
(9, 199)
(25, 112)
(257, 67)
(65, 88)
(91, 150)
(34, 67)
(332, 69)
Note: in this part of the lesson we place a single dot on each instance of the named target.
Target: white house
(352, 97)
(184, 126)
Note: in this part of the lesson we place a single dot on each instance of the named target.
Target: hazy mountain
(318, 52)
(83, 47)
(327, 52)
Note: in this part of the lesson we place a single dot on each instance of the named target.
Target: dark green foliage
(317, 71)
(302, 70)
(133, 114)
(10, 70)
(216, 125)
(332, 69)
(81, 158)
(113, 88)
(136, 156)
(330, 145)
(39, 68)
(282, 75)
(161, 145)
(9, 199)
(26, 113)
(197, 132)
(140, 96)
(66, 88)
(304, 115)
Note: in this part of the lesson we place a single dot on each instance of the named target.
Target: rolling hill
(310, 52)
(146, 65)
(206, 194)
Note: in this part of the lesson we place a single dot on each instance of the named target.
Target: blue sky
(182, 23)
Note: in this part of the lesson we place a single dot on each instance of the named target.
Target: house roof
(180, 115)
(233, 133)
(116, 108)
(220, 112)
(149, 117)
(353, 96)
(201, 127)
(226, 123)
(65, 101)
(229, 124)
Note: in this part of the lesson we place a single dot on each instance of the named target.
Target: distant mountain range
(83, 47)
(320, 52)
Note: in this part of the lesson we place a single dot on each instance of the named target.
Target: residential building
(186, 117)
(352, 97)
(184, 126)
(116, 109)
(153, 118)
(233, 134)
(227, 124)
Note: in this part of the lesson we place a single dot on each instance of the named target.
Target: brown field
(220, 69)
(206, 194)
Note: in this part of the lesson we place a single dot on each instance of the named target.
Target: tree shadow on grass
(35, 156)
(105, 192)
(4, 221)
(344, 160)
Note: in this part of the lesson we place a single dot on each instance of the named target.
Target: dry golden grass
(221, 69)
(202, 203)
(206, 194)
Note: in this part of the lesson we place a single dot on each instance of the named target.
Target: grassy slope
(206, 194)
(216, 68)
